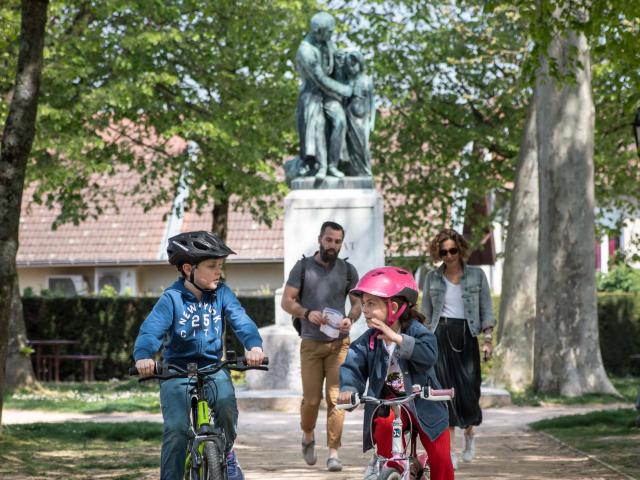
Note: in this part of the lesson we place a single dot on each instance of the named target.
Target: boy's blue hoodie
(193, 328)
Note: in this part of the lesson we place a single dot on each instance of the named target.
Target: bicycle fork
(204, 432)
(398, 458)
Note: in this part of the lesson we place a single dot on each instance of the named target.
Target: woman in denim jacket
(457, 303)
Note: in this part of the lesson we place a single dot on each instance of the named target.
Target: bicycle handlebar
(160, 373)
(425, 393)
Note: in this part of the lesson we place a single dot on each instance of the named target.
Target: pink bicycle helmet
(389, 282)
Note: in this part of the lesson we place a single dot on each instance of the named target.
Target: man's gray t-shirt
(323, 287)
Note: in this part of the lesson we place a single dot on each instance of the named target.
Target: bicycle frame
(201, 429)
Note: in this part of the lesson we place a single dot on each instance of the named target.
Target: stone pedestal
(281, 343)
(360, 212)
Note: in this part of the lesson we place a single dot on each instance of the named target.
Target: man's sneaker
(373, 469)
(469, 450)
(234, 472)
(309, 451)
(334, 464)
(454, 460)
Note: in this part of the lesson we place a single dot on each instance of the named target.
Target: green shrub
(619, 326)
(621, 278)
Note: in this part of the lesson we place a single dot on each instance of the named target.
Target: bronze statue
(335, 108)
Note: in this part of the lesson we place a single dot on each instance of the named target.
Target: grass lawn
(610, 436)
(76, 450)
(627, 387)
(94, 397)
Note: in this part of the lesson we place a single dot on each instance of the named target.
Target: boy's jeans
(174, 399)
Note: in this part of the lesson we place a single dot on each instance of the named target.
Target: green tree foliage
(611, 28)
(124, 78)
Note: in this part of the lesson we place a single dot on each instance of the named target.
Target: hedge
(108, 326)
(619, 326)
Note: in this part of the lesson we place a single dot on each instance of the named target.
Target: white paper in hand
(332, 327)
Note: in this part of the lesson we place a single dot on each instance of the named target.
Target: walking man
(315, 293)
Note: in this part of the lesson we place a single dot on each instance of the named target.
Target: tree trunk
(513, 362)
(221, 218)
(220, 221)
(567, 358)
(17, 138)
(19, 370)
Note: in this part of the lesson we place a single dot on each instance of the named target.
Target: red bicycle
(401, 466)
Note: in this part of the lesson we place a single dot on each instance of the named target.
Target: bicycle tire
(212, 459)
(389, 474)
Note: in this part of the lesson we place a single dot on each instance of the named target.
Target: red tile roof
(131, 236)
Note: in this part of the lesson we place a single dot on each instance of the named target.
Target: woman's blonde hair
(448, 234)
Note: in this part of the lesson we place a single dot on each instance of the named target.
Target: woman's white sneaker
(469, 451)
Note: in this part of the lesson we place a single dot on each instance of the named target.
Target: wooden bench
(46, 368)
(88, 364)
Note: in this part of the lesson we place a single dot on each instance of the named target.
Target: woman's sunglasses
(452, 251)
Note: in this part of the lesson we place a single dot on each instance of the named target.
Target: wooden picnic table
(48, 355)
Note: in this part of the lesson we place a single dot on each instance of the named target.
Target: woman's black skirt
(458, 366)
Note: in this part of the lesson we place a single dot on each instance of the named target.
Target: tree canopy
(453, 80)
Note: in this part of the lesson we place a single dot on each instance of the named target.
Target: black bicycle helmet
(194, 247)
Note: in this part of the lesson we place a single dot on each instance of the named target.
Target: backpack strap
(303, 267)
(349, 277)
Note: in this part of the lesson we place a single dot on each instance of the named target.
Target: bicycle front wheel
(212, 462)
(390, 474)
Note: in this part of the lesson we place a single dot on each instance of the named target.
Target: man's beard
(328, 255)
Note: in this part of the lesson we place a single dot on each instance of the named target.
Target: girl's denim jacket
(476, 298)
(417, 355)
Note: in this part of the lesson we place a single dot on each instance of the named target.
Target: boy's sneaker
(373, 469)
(454, 460)
(469, 450)
(234, 472)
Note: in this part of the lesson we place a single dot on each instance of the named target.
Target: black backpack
(297, 323)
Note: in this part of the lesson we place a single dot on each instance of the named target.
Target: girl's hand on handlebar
(146, 367)
(254, 357)
(344, 397)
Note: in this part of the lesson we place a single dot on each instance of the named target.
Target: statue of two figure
(336, 110)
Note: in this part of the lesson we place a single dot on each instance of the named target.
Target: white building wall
(631, 240)
(151, 280)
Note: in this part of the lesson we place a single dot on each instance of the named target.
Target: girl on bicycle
(396, 352)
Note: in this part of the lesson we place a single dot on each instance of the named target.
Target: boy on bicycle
(190, 316)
